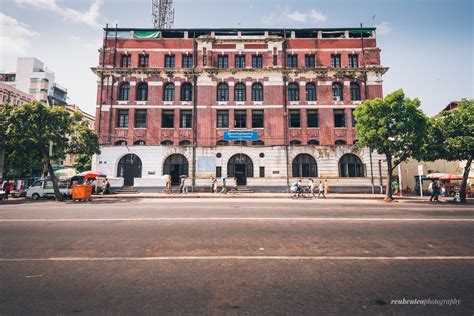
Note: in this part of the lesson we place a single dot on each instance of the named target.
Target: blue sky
(428, 44)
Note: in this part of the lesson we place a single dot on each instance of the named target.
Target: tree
(451, 137)
(39, 134)
(394, 127)
(82, 162)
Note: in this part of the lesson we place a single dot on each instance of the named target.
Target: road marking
(188, 258)
(158, 219)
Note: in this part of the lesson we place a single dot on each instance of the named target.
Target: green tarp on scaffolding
(146, 34)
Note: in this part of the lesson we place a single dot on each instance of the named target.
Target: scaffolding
(163, 14)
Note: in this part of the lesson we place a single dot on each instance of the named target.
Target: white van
(42, 188)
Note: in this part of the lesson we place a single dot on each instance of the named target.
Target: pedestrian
(395, 187)
(181, 185)
(168, 185)
(224, 187)
(311, 187)
(326, 187)
(214, 186)
(105, 187)
(6, 187)
(433, 188)
(185, 186)
(321, 189)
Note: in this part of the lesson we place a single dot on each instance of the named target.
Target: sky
(427, 44)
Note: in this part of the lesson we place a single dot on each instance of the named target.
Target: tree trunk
(57, 193)
(465, 175)
(388, 188)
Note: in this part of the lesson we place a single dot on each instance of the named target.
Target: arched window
(337, 92)
(222, 143)
(340, 142)
(313, 142)
(293, 92)
(139, 143)
(142, 91)
(239, 92)
(166, 143)
(168, 92)
(257, 92)
(355, 91)
(258, 143)
(124, 91)
(295, 143)
(129, 168)
(304, 165)
(240, 143)
(185, 143)
(176, 166)
(186, 92)
(311, 92)
(121, 143)
(350, 166)
(223, 92)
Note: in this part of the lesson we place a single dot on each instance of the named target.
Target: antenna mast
(163, 14)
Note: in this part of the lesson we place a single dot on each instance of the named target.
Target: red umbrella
(92, 174)
(451, 176)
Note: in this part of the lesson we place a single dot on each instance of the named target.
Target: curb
(236, 196)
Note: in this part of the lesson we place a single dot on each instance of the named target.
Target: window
(304, 166)
(240, 119)
(257, 92)
(140, 118)
(122, 118)
(257, 118)
(262, 172)
(143, 60)
(124, 91)
(313, 142)
(239, 61)
(222, 61)
(340, 142)
(186, 92)
(339, 118)
(336, 61)
(223, 92)
(218, 172)
(187, 61)
(239, 92)
(337, 92)
(353, 60)
(257, 61)
(350, 166)
(167, 143)
(295, 143)
(275, 60)
(312, 117)
(295, 118)
(139, 143)
(292, 61)
(293, 92)
(353, 119)
(311, 92)
(185, 142)
(310, 61)
(167, 119)
(168, 92)
(222, 143)
(142, 91)
(222, 118)
(186, 119)
(204, 60)
(121, 143)
(258, 143)
(125, 60)
(169, 61)
(355, 91)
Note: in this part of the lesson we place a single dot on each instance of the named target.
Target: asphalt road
(245, 256)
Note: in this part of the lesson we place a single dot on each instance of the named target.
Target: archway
(240, 166)
(176, 165)
(350, 166)
(304, 166)
(129, 167)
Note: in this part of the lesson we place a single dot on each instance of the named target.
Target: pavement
(237, 256)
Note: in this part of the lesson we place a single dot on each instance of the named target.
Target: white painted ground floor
(347, 168)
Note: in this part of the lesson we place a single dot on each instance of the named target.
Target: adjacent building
(263, 106)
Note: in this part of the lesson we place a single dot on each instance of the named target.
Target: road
(236, 256)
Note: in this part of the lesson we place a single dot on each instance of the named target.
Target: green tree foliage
(394, 127)
(31, 128)
(451, 137)
(83, 162)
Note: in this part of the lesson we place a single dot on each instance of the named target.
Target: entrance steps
(126, 190)
(243, 189)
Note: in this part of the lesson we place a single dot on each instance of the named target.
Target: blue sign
(240, 135)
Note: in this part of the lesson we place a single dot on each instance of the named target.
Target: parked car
(44, 188)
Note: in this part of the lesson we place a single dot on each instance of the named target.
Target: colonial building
(171, 102)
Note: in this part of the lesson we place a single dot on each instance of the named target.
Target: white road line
(315, 219)
(188, 258)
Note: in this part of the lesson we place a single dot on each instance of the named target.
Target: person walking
(434, 191)
(105, 187)
(168, 185)
(181, 185)
(184, 189)
(6, 187)
(321, 190)
(311, 187)
(224, 187)
(326, 187)
(214, 186)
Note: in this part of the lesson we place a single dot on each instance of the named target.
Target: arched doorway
(304, 166)
(240, 166)
(176, 165)
(350, 166)
(129, 167)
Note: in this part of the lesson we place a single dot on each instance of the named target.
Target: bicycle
(303, 193)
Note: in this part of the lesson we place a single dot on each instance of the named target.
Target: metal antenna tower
(163, 14)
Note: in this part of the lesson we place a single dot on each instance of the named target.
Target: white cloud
(89, 17)
(384, 28)
(282, 15)
(14, 36)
